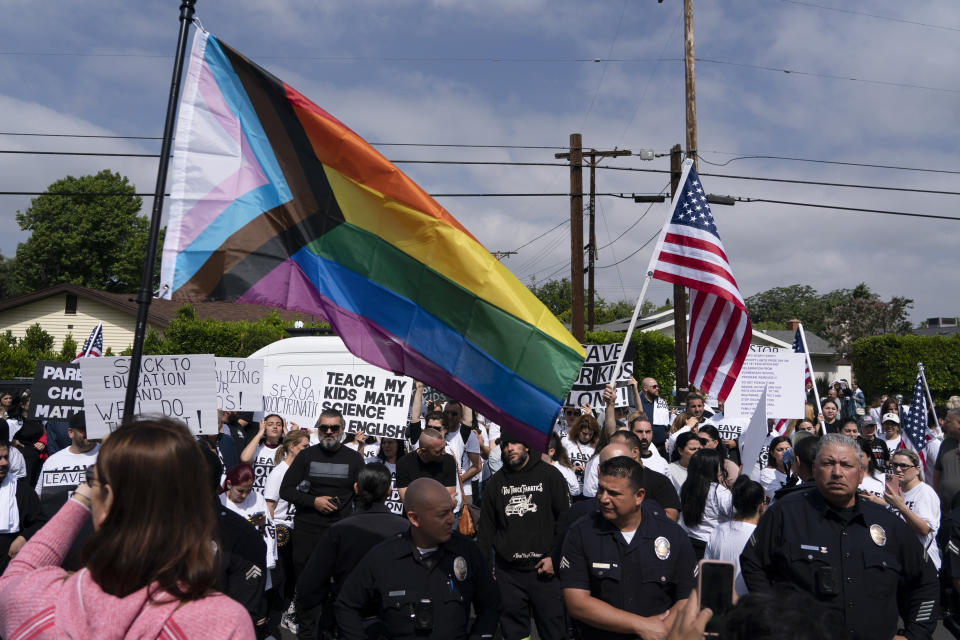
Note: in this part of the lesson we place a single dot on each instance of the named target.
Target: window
(71, 307)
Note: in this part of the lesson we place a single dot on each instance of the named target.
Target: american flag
(915, 422)
(692, 255)
(93, 346)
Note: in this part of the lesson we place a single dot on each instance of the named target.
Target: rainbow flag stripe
(274, 201)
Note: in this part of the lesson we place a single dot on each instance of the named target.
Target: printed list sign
(377, 404)
(57, 391)
(780, 371)
(597, 372)
(183, 387)
(239, 384)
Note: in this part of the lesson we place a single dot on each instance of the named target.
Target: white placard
(293, 394)
(181, 386)
(239, 384)
(780, 371)
(730, 428)
(597, 372)
(377, 403)
(754, 437)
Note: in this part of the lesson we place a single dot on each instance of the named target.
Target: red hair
(238, 474)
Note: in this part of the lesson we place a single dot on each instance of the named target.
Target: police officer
(625, 569)
(853, 556)
(421, 583)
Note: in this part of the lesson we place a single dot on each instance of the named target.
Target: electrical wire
(603, 73)
(636, 222)
(565, 221)
(854, 209)
(652, 238)
(870, 15)
(817, 161)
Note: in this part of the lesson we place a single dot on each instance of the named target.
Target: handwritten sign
(780, 371)
(57, 391)
(377, 404)
(182, 387)
(294, 394)
(597, 372)
(239, 384)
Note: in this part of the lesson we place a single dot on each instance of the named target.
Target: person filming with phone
(855, 557)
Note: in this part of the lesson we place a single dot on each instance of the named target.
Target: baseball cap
(890, 417)
(868, 421)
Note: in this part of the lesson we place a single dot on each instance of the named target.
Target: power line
(871, 15)
(652, 238)
(636, 222)
(838, 162)
(565, 221)
(78, 135)
(855, 209)
(603, 73)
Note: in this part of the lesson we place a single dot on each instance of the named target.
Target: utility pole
(679, 299)
(500, 255)
(593, 154)
(576, 233)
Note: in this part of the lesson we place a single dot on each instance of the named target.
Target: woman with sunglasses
(150, 566)
(916, 502)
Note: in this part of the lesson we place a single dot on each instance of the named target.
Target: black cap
(78, 421)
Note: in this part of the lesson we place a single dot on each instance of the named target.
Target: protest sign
(376, 403)
(433, 395)
(183, 387)
(729, 428)
(239, 384)
(755, 436)
(293, 394)
(780, 372)
(597, 372)
(57, 391)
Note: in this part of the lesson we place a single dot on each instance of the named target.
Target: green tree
(863, 316)
(780, 304)
(18, 357)
(82, 237)
(6, 277)
(555, 295)
(187, 333)
(69, 349)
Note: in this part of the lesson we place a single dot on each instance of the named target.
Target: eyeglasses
(901, 465)
(328, 428)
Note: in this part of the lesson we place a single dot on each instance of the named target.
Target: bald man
(430, 460)
(422, 583)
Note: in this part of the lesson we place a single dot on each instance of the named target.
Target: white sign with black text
(240, 384)
(780, 372)
(377, 404)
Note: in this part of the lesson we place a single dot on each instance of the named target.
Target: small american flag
(93, 346)
(692, 255)
(915, 422)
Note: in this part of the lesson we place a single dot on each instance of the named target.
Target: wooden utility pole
(593, 154)
(679, 297)
(576, 233)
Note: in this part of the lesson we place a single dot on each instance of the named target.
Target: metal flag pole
(926, 387)
(146, 280)
(813, 378)
(687, 164)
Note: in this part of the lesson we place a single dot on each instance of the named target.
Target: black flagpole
(146, 281)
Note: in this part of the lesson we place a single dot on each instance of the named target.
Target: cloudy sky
(869, 83)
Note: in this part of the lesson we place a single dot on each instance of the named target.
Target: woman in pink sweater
(151, 563)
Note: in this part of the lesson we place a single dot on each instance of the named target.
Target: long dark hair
(681, 442)
(771, 460)
(748, 495)
(703, 470)
(160, 528)
(559, 453)
(401, 449)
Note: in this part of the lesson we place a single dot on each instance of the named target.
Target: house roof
(937, 331)
(663, 320)
(817, 345)
(161, 311)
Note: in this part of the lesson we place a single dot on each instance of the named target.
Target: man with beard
(650, 457)
(521, 507)
(320, 484)
(656, 410)
(19, 510)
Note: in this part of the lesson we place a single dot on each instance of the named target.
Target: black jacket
(318, 472)
(31, 519)
(520, 513)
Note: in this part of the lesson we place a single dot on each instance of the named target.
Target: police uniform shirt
(862, 562)
(394, 578)
(645, 577)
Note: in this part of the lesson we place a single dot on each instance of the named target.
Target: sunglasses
(901, 465)
(329, 428)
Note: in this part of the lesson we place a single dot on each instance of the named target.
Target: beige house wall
(118, 327)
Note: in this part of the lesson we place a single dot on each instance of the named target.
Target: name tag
(601, 565)
(396, 594)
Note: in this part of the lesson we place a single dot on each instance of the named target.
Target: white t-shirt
(578, 453)
(253, 508)
(572, 483)
(717, 510)
(591, 477)
(488, 433)
(393, 501)
(925, 502)
(727, 543)
(14, 426)
(263, 463)
(677, 475)
(873, 483)
(60, 475)
(370, 448)
(655, 462)
(772, 479)
(18, 466)
(459, 450)
(283, 512)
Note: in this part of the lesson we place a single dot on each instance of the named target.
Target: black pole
(146, 281)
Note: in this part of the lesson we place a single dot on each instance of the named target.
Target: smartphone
(893, 483)
(716, 588)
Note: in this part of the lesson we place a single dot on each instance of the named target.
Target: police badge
(662, 548)
(878, 534)
(460, 568)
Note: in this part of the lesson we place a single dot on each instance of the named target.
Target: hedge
(654, 357)
(888, 364)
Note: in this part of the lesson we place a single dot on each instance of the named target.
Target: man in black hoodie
(521, 507)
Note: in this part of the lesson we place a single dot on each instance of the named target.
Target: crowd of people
(459, 530)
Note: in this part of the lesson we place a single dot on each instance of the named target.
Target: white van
(316, 352)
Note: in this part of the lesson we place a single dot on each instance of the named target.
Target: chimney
(793, 324)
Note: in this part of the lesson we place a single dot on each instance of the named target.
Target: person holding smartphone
(914, 500)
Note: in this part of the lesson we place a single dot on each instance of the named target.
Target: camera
(422, 614)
